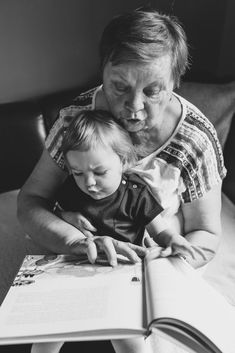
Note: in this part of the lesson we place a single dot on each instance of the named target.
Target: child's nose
(90, 180)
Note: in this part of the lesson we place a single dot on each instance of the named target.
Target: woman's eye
(152, 93)
(77, 174)
(120, 87)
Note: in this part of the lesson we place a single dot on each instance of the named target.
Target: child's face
(97, 172)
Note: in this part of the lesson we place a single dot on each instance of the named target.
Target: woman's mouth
(133, 125)
(133, 122)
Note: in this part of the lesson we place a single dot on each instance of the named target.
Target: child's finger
(166, 252)
(91, 250)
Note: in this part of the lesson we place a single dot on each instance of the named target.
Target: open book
(63, 297)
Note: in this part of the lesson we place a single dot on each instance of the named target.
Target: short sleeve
(54, 139)
(85, 101)
(203, 165)
(147, 207)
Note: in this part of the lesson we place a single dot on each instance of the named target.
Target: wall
(51, 45)
(44, 43)
(226, 65)
(207, 24)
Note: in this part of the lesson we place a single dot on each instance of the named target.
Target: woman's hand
(174, 245)
(110, 247)
(178, 245)
(78, 221)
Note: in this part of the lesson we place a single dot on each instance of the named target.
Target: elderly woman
(143, 56)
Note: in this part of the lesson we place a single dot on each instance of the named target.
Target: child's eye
(101, 173)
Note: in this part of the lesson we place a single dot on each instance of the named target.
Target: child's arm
(171, 242)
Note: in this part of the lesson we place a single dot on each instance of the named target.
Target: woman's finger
(85, 223)
(78, 221)
(190, 251)
(200, 252)
(183, 250)
(87, 233)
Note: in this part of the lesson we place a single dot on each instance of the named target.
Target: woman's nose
(135, 102)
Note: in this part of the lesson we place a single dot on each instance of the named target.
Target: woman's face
(137, 94)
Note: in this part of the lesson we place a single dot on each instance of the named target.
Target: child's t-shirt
(122, 215)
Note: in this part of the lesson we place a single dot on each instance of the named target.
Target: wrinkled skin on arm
(202, 223)
(35, 204)
(201, 230)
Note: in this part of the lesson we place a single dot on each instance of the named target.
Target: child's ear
(125, 165)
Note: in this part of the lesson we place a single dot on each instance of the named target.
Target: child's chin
(96, 195)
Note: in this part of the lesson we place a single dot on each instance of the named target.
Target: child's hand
(109, 246)
(178, 245)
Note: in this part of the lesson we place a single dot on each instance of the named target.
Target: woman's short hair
(141, 36)
(92, 128)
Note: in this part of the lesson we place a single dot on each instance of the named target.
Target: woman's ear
(67, 166)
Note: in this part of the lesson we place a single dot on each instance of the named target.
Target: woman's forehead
(157, 71)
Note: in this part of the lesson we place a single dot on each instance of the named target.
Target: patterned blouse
(187, 166)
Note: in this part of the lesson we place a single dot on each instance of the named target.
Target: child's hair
(90, 128)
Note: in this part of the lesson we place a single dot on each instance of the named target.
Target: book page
(178, 294)
(66, 294)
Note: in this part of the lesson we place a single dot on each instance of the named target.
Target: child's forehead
(93, 158)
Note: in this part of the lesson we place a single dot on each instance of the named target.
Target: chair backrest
(22, 134)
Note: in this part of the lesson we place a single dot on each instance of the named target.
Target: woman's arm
(202, 224)
(171, 242)
(35, 204)
(202, 229)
